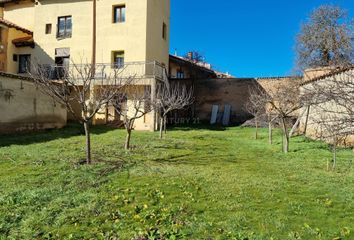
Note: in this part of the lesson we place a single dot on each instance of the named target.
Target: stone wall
(24, 107)
(225, 91)
(325, 118)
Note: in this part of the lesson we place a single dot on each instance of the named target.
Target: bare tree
(132, 104)
(79, 90)
(331, 131)
(171, 97)
(281, 103)
(256, 105)
(326, 39)
(195, 56)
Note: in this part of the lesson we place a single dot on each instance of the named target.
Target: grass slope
(195, 184)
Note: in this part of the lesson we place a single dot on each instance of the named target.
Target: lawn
(195, 184)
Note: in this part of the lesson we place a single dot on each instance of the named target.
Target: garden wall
(225, 91)
(23, 107)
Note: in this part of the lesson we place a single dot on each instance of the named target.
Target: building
(218, 90)
(56, 33)
(184, 68)
(329, 105)
(211, 88)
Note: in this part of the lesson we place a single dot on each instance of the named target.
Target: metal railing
(138, 70)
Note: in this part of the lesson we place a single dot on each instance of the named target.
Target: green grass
(195, 184)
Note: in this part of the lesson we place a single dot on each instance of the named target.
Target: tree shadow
(71, 130)
(185, 159)
(189, 127)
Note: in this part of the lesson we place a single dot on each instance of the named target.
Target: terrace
(137, 70)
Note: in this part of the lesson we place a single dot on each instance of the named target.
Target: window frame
(122, 18)
(180, 74)
(115, 64)
(28, 56)
(66, 33)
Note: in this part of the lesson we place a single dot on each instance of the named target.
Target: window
(24, 63)
(119, 14)
(164, 31)
(62, 62)
(48, 28)
(118, 59)
(61, 68)
(64, 27)
(180, 74)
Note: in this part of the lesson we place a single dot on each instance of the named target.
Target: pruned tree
(256, 106)
(326, 39)
(329, 129)
(271, 120)
(77, 87)
(281, 103)
(132, 104)
(171, 97)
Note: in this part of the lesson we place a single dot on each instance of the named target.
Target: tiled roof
(16, 76)
(277, 78)
(13, 25)
(24, 42)
(186, 61)
(333, 73)
(7, 1)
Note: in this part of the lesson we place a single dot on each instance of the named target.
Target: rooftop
(13, 25)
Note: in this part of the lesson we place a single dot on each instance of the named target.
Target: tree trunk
(161, 126)
(106, 114)
(256, 122)
(127, 139)
(165, 124)
(334, 154)
(88, 142)
(285, 136)
(270, 131)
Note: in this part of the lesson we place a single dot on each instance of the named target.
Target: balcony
(136, 70)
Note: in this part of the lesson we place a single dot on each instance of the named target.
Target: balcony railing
(137, 70)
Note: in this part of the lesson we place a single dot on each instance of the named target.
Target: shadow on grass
(189, 127)
(71, 130)
(198, 161)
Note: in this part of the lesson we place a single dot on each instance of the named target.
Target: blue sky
(248, 38)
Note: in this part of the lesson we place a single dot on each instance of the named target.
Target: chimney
(190, 55)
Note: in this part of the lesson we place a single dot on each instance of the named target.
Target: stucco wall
(23, 107)
(22, 14)
(13, 66)
(157, 49)
(107, 114)
(3, 49)
(174, 68)
(140, 36)
(334, 116)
